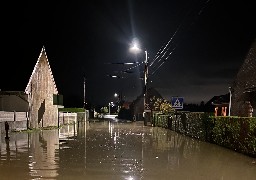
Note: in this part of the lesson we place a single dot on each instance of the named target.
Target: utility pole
(146, 108)
(230, 97)
(84, 94)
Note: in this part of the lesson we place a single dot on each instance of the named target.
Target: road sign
(147, 108)
(177, 102)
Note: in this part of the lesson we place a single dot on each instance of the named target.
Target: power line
(165, 49)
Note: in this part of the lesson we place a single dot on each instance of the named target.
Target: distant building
(243, 90)
(137, 106)
(219, 104)
(126, 105)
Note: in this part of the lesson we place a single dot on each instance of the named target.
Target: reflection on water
(112, 150)
(43, 161)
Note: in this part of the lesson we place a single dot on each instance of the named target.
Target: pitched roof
(221, 99)
(151, 92)
(43, 53)
(12, 93)
(246, 76)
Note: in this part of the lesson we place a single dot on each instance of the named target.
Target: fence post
(27, 118)
(14, 119)
(14, 115)
(7, 127)
(63, 117)
(58, 119)
(74, 128)
(68, 117)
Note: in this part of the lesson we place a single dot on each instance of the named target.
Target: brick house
(243, 90)
(41, 90)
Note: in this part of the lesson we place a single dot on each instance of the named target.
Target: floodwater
(118, 151)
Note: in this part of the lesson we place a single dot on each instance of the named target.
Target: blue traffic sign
(177, 102)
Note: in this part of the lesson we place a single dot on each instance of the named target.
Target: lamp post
(84, 94)
(109, 104)
(145, 88)
(135, 48)
(118, 101)
(229, 107)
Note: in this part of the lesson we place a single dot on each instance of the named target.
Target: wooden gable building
(41, 89)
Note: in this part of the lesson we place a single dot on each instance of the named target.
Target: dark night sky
(81, 38)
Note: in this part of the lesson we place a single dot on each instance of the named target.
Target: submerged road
(105, 150)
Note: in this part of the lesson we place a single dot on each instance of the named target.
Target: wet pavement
(118, 151)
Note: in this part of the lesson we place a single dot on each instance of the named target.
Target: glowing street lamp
(135, 47)
(118, 101)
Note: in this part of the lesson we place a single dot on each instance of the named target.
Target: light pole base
(146, 116)
(145, 121)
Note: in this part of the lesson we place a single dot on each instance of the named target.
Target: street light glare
(135, 46)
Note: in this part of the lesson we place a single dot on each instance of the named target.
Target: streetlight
(118, 101)
(135, 48)
(146, 108)
(110, 104)
(84, 94)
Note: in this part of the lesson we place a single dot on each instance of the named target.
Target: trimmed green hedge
(237, 133)
(71, 110)
(160, 120)
(193, 124)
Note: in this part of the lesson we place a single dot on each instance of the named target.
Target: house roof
(12, 93)
(246, 76)
(151, 92)
(218, 100)
(43, 53)
(251, 89)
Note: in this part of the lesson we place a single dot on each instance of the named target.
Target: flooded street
(118, 151)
